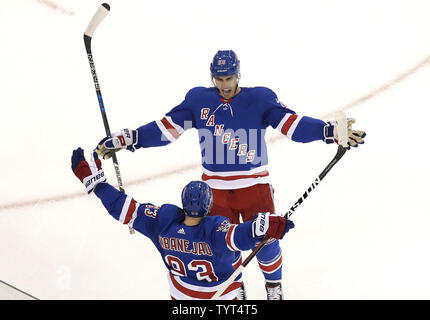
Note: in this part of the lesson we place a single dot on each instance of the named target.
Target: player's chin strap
(342, 145)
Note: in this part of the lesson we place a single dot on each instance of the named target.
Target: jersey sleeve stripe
(293, 127)
(171, 130)
(289, 120)
(164, 131)
(127, 211)
(134, 214)
(229, 237)
(174, 125)
(283, 120)
(288, 124)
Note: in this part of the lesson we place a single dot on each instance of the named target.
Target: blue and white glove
(125, 139)
(355, 137)
(89, 172)
(270, 225)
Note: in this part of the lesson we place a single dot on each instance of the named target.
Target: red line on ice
(53, 5)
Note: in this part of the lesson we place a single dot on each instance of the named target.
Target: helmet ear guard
(197, 199)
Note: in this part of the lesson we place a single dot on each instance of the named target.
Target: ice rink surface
(362, 234)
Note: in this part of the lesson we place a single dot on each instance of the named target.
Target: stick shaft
(101, 12)
(103, 110)
(226, 283)
(87, 40)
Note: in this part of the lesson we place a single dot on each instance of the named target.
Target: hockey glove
(89, 172)
(355, 137)
(125, 139)
(270, 225)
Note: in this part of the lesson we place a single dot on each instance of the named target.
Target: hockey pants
(245, 203)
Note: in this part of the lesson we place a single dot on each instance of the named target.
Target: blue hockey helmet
(197, 199)
(225, 63)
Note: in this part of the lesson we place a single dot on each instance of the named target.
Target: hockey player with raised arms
(198, 250)
(231, 122)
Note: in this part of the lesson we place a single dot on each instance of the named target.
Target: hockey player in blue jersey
(231, 123)
(198, 250)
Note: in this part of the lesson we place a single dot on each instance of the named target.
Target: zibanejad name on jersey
(182, 245)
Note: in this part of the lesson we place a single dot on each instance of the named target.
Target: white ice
(362, 234)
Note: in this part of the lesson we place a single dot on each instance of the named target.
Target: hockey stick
(342, 140)
(101, 12)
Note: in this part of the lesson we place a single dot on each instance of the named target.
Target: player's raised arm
(122, 207)
(153, 134)
(301, 128)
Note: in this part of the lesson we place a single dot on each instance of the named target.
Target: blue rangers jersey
(198, 258)
(231, 132)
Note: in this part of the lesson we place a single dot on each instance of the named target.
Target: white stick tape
(101, 12)
(342, 129)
